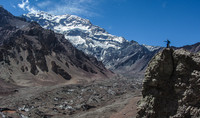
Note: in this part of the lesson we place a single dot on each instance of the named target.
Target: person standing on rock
(168, 43)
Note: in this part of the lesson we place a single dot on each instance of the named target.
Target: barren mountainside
(31, 55)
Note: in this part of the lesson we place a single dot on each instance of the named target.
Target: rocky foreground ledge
(171, 88)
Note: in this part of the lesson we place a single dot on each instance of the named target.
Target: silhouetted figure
(168, 42)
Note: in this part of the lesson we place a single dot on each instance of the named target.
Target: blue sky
(145, 21)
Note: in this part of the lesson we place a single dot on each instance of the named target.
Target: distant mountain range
(31, 55)
(192, 48)
(118, 54)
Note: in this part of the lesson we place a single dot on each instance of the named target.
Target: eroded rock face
(58, 70)
(171, 88)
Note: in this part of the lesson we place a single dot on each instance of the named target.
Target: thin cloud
(110, 27)
(60, 7)
(23, 4)
(76, 7)
(14, 6)
(44, 4)
(26, 7)
(164, 4)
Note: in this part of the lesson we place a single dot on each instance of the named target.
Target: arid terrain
(42, 74)
(114, 98)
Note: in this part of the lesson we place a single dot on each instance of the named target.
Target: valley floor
(113, 98)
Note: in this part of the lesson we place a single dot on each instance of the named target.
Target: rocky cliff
(171, 88)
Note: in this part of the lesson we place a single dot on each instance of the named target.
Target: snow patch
(76, 40)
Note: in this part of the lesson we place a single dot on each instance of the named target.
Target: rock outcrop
(171, 88)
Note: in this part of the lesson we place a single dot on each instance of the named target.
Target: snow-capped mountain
(151, 48)
(115, 52)
(72, 25)
(32, 56)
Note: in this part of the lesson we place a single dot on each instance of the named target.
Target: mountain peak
(31, 55)
(4, 12)
(70, 25)
(4, 16)
(115, 52)
(57, 18)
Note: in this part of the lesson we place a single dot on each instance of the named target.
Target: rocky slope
(171, 86)
(116, 53)
(99, 99)
(192, 48)
(31, 55)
